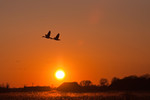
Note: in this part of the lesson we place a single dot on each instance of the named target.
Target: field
(54, 95)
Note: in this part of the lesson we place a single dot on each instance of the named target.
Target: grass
(74, 96)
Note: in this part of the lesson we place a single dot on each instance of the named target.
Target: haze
(99, 39)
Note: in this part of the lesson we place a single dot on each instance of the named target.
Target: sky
(99, 39)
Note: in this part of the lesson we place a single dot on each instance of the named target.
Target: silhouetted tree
(104, 82)
(131, 83)
(115, 79)
(146, 76)
(7, 85)
(85, 83)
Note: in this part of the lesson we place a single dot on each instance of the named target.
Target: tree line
(130, 83)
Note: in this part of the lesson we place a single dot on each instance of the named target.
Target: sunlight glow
(60, 74)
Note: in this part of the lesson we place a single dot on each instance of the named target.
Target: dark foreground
(55, 95)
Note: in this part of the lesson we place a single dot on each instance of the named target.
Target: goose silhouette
(57, 37)
(47, 36)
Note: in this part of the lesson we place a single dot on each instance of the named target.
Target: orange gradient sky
(99, 39)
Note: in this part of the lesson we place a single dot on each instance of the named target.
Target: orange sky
(99, 39)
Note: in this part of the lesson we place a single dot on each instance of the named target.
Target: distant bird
(57, 37)
(47, 35)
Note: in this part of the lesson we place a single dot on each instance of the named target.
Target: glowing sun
(60, 74)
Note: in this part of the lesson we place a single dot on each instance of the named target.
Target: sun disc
(60, 74)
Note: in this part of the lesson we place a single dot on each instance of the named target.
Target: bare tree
(104, 82)
(85, 83)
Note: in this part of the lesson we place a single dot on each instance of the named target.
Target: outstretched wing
(49, 33)
(57, 37)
